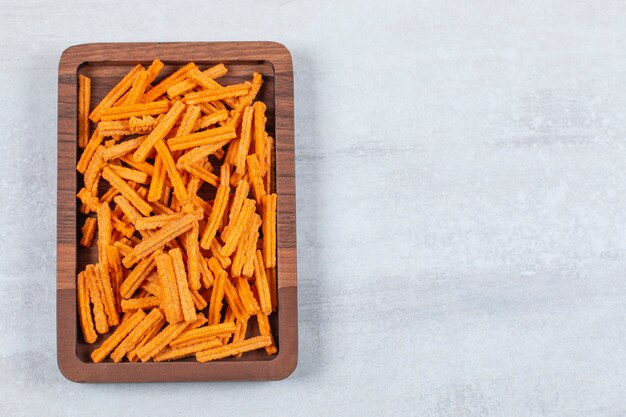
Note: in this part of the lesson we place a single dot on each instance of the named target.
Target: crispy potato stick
(221, 199)
(154, 222)
(150, 334)
(239, 257)
(205, 137)
(191, 83)
(86, 322)
(122, 149)
(92, 173)
(240, 333)
(115, 129)
(116, 274)
(198, 300)
(136, 335)
(259, 130)
(156, 345)
(139, 166)
(130, 174)
(193, 256)
(264, 329)
(186, 302)
(88, 231)
(152, 285)
(159, 132)
(242, 191)
(169, 354)
(257, 81)
(128, 209)
(160, 89)
(250, 250)
(244, 141)
(217, 295)
(269, 230)
(188, 121)
(127, 191)
(138, 275)
(102, 269)
(203, 333)
(233, 348)
(269, 156)
(158, 180)
(206, 276)
(180, 88)
(138, 88)
(232, 297)
(84, 98)
(261, 284)
(117, 92)
(237, 227)
(130, 110)
(245, 294)
(154, 69)
(198, 154)
(170, 302)
(166, 159)
(205, 81)
(218, 93)
(90, 150)
(225, 261)
(99, 316)
(256, 180)
(202, 173)
(211, 119)
(123, 248)
(143, 303)
(143, 124)
(118, 335)
(120, 226)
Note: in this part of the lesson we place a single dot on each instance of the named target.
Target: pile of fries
(178, 275)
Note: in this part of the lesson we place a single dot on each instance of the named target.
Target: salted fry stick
(193, 256)
(269, 230)
(150, 334)
(171, 300)
(128, 209)
(246, 296)
(250, 250)
(256, 180)
(186, 302)
(138, 109)
(136, 335)
(189, 84)
(211, 119)
(264, 329)
(92, 173)
(265, 302)
(156, 345)
(198, 300)
(99, 316)
(116, 274)
(86, 322)
(130, 174)
(219, 93)
(240, 333)
(233, 348)
(160, 89)
(142, 80)
(159, 132)
(115, 129)
(242, 191)
(154, 222)
(255, 86)
(244, 141)
(259, 130)
(138, 275)
(122, 149)
(139, 166)
(126, 190)
(123, 248)
(169, 354)
(269, 157)
(232, 297)
(154, 69)
(84, 98)
(205, 137)
(225, 261)
(217, 295)
(102, 269)
(219, 207)
(238, 227)
(143, 303)
(202, 173)
(206, 81)
(115, 93)
(158, 180)
(206, 276)
(90, 201)
(198, 154)
(203, 333)
(123, 228)
(239, 258)
(118, 335)
(88, 231)
(90, 149)
(152, 286)
(166, 158)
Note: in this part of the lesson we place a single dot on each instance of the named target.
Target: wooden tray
(106, 63)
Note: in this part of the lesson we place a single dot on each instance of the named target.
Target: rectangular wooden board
(105, 64)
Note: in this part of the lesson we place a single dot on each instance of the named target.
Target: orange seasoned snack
(178, 204)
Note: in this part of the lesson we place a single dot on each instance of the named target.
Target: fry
(215, 305)
(261, 284)
(233, 348)
(205, 273)
(117, 92)
(256, 180)
(219, 93)
(205, 137)
(143, 303)
(150, 334)
(153, 222)
(219, 207)
(215, 251)
(102, 268)
(84, 98)
(211, 119)
(198, 300)
(193, 256)
(159, 132)
(244, 141)
(92, 173)
(259, 131)
(154, 346)
(86, 322)
(139, 166)
(136, 335)
(128, 209)
(126, 190)
(143, 124)
(202, 173)
(130, 174)
(158, 180)
(199, 153)
(171, 300)
(240, 333)
(186, 302)
(264, 329)
(160, 89)
(230, 293)
(118, 335)
(246, 297)
(122, 149)
(115, 129)
(170, 166)
(138, 275)
(142, 80)
(237, 227)
(242, 191)
(116, 274)
(99, 316)
(154, 70)
(88, 231)
(169, 354)
(203, 333)
(269, 156)
(269, 230)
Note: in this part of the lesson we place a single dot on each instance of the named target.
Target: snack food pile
(178, 275)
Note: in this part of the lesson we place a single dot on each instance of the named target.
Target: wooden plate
(106, 63)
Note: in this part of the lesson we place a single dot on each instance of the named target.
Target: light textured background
(461, 206)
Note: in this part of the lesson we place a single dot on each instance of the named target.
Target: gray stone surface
(461, 203)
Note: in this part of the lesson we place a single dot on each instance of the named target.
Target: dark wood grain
(105, 64)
